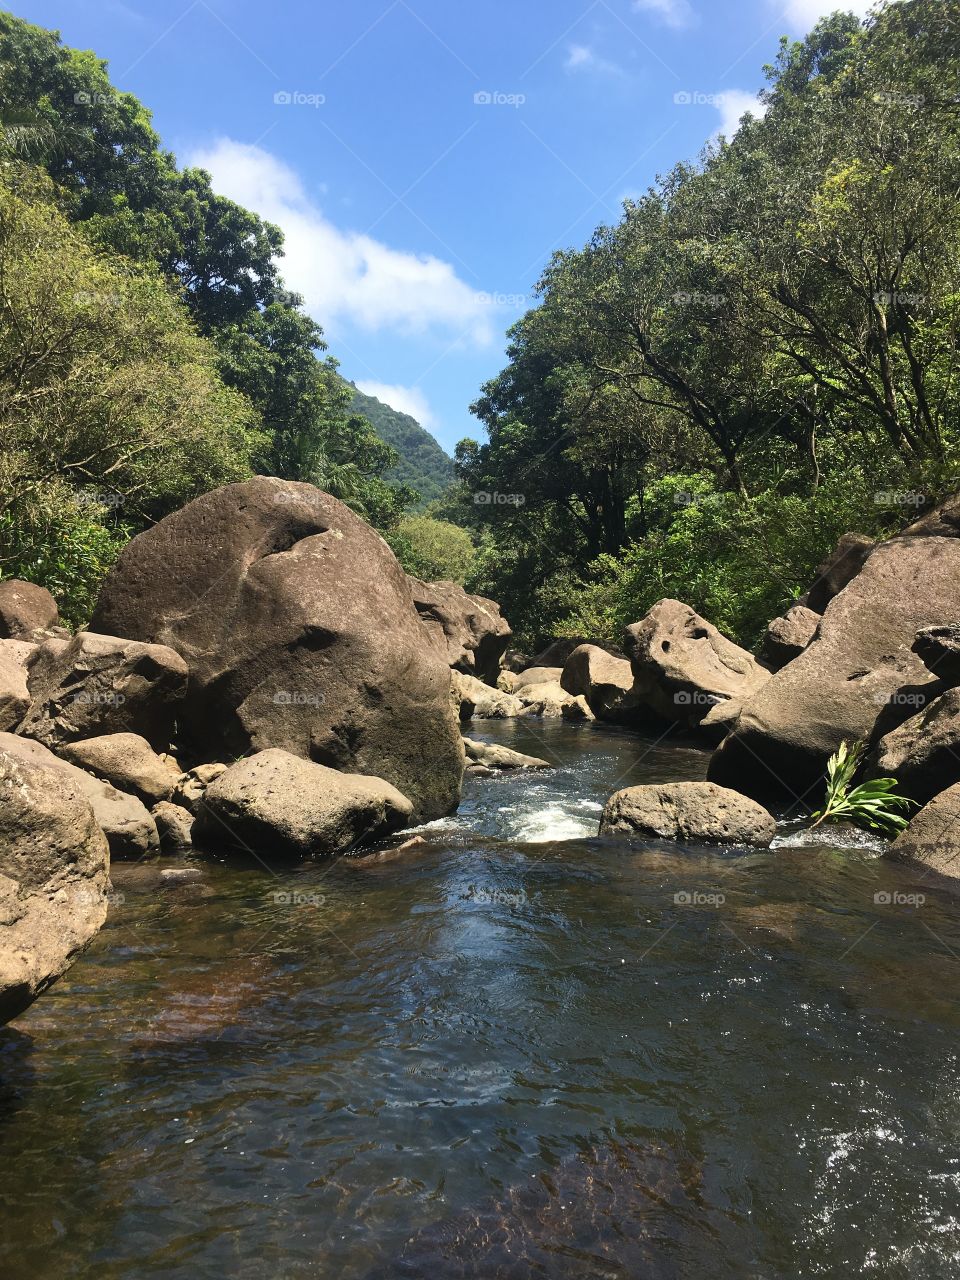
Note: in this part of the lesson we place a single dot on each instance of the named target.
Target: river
(515, 1051)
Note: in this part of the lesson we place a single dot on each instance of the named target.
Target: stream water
(516, 1051)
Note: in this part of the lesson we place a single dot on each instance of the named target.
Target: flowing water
(515, 1051)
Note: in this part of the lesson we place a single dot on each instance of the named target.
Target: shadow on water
(517, 1051)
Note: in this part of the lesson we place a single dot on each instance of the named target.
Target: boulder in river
(471, 628)
(54, 869)
(547, 699)
(123, 819)
(605, 681)
(14, 695)
(683, 665)
(537, 675)
(100, 684)
(25, 608)
(493, 756)
(277, 804)
(859, 668)
(933, 836)
(787, 637)
(174, 826)
(300, 632)
(923, 753)
(128, 762)
(694, 811)
(478, 701)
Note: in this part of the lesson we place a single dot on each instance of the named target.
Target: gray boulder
(493, 756)
(174, 826)
(99, 684)
(694, 811)
(477, 701)
(14, 695)
(938, 648)
(840, 567)
(24, 608)
(605, 682)
(547, 699)
(472, 629)
(923, 753)
(683, 666)
(299, 629)
(128, 762)
(192, 784)
(787, 637)
(933, 836)
(860, 667)
(123, 819)
(276, 804)
(54, 869)
(537, 675)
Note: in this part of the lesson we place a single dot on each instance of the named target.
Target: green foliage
(422, 464)
(433, 550)
(872, 804)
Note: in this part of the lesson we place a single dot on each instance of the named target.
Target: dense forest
(760, 355)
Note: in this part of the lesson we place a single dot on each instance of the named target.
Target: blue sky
(425, 157)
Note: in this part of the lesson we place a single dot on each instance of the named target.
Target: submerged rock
(683, 666)
(693, 811)
(300, 632)
(494, 756)
(54, 868)
(277, 804)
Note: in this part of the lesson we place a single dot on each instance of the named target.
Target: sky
(425, 158)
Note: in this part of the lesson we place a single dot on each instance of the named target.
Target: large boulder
(477, 701)
(683, 666)
(548, 699)
(130, 830)
(276, 804)
(859, 667)
(54, 868)
(933, 835)
(24, 608)
(923, 753)
(128, 762)
(471, 628)
(840, 567)
(537, 675)
(174, 826)
(787, 637)
(99, 684)
(694, 811)
(605, 682)
(14, 695)
(299, 629)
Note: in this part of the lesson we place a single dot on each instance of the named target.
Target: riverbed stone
(471, 628)
(683, 666)
(693, 811)
(494, 756)
(54, 869)
(128, 762)
(546, 699)
(478, 701)
(537, 675)
(194, 782)
(859, 670)
(605, 682)
(100, 684)
(299, 628)
(174, 826)
(277, 804)
(923, 753)
(124, 820)
(25, 608)
(933, 836)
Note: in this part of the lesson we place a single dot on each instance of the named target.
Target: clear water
(516, 1051)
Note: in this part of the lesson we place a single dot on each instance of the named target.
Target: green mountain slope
(423, 463)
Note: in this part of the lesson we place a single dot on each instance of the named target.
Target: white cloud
(404, 399)
(805, 14)
(732, 105)
(345, 275)
(580, 57)
(675, 13)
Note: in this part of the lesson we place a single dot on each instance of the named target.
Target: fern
(872, 804)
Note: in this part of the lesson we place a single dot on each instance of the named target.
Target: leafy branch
(871, 804)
